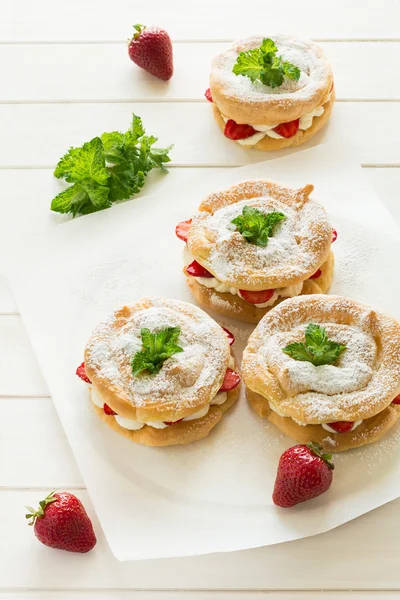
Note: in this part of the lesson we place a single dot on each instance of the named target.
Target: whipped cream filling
(133, 425)
(324, 425)
(219, 286)
(268, 130)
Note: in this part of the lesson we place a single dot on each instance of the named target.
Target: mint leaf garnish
(256, 226)
(317, 349)
(264, 64)
(157, 347)
(108, 168)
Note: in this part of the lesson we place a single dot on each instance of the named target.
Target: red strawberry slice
(82, 373)
(287, 130)
(208, 95)
(396, 400)
(236, 131)
(342, 426)
(334, 235)
(172, 422)
(316, 274)
(108, 410)
(196, 270)
(182, 230)
(231, 381)
(230, 335)
(257, 297)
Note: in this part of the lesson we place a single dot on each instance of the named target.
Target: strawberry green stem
(39, 513)
(139, 28)
(317, 450)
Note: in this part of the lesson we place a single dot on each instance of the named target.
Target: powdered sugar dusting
(304, 54)
(352, 371)
(293, 253)
(116, 340)
(365, 379)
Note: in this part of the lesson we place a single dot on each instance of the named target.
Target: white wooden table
(65, 76)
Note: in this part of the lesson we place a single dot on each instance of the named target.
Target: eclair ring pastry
(271, 93)
(255, 244)
(325, 369)
(160, 372)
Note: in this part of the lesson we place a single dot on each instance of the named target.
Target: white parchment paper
(214, 495)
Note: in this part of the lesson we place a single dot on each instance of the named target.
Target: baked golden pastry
(325, 369)
(161, 372)
(255, 244)
(271, 93)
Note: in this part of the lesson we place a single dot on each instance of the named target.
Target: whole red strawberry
(304, 472)
(62, 522)
(151, 49)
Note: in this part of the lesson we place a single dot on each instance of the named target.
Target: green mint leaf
(298, 351)
(125, 181)
(318, 349)
(256, 226)
(157, 348)
(268, 46)
(248, 64)
(264, 64)
(64, 165)
(107, 169)
(70, 200)
(291, 71)
(89, 163)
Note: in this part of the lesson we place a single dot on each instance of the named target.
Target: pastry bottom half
(369, 431)
(184, 432)
(302, 135)
(234, 306)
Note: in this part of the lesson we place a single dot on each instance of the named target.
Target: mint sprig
(256, 226)
(107, 169)
(157, 348)
(264, 64)
(317, 349)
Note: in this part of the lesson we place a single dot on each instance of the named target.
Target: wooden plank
(350, 553)
(67, 73)
(29, 193)
(197, 595)
(37, 135)
(91, 20)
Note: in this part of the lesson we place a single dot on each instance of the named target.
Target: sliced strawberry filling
(109, 411)
(172, 422)
(231, 381)
(196, 270)
(182, 230)
(208, 95)
(236, 131)
(82, 373)
(257, 297)
(334, 235)
(342, 426)
(287, 130)
(316, 274)
(230, 335)
(396, 400)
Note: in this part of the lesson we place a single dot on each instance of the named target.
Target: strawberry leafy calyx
(316, 449)
(139, 28)
(39, 513)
